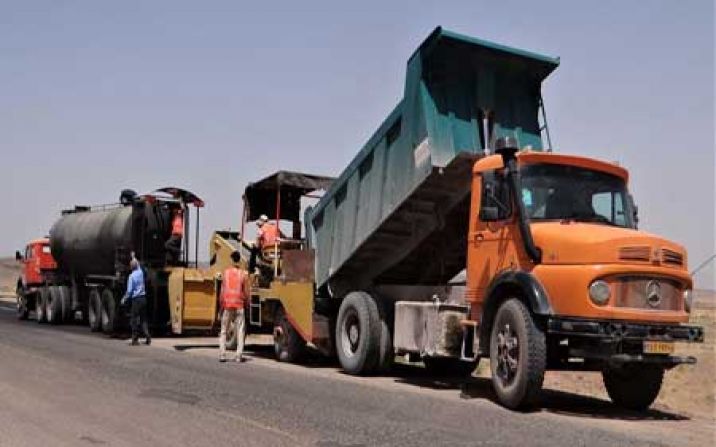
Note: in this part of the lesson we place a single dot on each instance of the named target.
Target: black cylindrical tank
(100, 242)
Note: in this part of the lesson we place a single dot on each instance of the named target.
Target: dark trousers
(173, 249)
(139, 317)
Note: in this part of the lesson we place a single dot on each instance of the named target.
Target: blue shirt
(135, 284)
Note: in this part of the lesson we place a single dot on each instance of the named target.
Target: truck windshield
(562, 192)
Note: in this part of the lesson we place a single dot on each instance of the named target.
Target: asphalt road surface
(62, 386)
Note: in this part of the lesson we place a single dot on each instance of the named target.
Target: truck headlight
(599, 292)
(688, 299)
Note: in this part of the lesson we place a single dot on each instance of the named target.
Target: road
(63, 386)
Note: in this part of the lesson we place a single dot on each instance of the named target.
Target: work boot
(148, 341)
(135, 342)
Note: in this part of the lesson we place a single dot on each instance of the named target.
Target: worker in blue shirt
(137, 298)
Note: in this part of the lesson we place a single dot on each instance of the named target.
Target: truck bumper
(618, 342)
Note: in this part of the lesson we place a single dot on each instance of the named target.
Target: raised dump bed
(398, 213)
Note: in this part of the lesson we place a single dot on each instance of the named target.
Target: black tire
(66, 300)
(386, 354)
(633, 387)
(518, 356)
(94, 310)
(43, 295)
(449, 367)
(358, 334)
(109, 312)
(21, 296)
(288, 344)
(54, 306)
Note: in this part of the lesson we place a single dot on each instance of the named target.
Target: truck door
(489, 231)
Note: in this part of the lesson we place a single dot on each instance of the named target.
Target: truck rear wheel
(109, 312)
(41, 304)
(634, 387)
(288, 344)
(358, 333)
(517, 355)
(66, 301)
(94, 310)
(22, 310)
(54, 306)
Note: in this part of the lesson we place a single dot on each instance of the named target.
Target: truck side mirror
(18, 256)
(489, 213)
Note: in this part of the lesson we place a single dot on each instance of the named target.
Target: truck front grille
(648, 293)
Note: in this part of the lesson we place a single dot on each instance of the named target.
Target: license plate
(658, 347)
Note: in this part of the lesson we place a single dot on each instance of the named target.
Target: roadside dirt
(9, 272)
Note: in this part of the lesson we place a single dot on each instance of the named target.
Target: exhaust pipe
(507, 148)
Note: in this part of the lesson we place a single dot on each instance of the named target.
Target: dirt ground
(688, 390)
(9, 271)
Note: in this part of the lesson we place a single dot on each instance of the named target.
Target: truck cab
(559, 277)
(36, 263)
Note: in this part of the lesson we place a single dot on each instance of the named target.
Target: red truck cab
(37, 263)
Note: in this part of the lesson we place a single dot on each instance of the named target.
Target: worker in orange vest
(268, 233)
(173, 244)
(235, 292)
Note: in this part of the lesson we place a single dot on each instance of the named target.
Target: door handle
(478, 237)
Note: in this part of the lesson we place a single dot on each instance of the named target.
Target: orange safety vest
(232, 288)
(177, 226)
(268, 234)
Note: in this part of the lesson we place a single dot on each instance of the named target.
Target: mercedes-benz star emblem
(653, 293)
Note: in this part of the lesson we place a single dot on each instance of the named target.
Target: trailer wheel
(109, 312)
(22, 309)
(54, 306)
(517, 355)
(449, 367)
(66, 301)
(288, 344)
(94, 310)
(41, 304)
(358, 333)
(634, 387)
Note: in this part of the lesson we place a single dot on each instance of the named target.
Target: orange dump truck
(458, 178)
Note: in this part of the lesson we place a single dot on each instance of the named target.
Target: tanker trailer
(93, 246)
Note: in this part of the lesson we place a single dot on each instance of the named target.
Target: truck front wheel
(358, 333)
(634, 387)
(22, 310)
(517, 355)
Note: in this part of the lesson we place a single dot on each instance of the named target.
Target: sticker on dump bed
(422, 152)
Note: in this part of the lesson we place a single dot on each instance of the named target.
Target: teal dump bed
(398, 213)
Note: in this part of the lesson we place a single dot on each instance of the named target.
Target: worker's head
(133, 264)
(235, 257)
(262, 220)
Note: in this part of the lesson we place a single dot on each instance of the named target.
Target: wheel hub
(507, 353)
(351, 335)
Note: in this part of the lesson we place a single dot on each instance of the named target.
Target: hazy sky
(97, 96)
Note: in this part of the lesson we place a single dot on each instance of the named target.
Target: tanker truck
(461, 178)
(82, 268)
